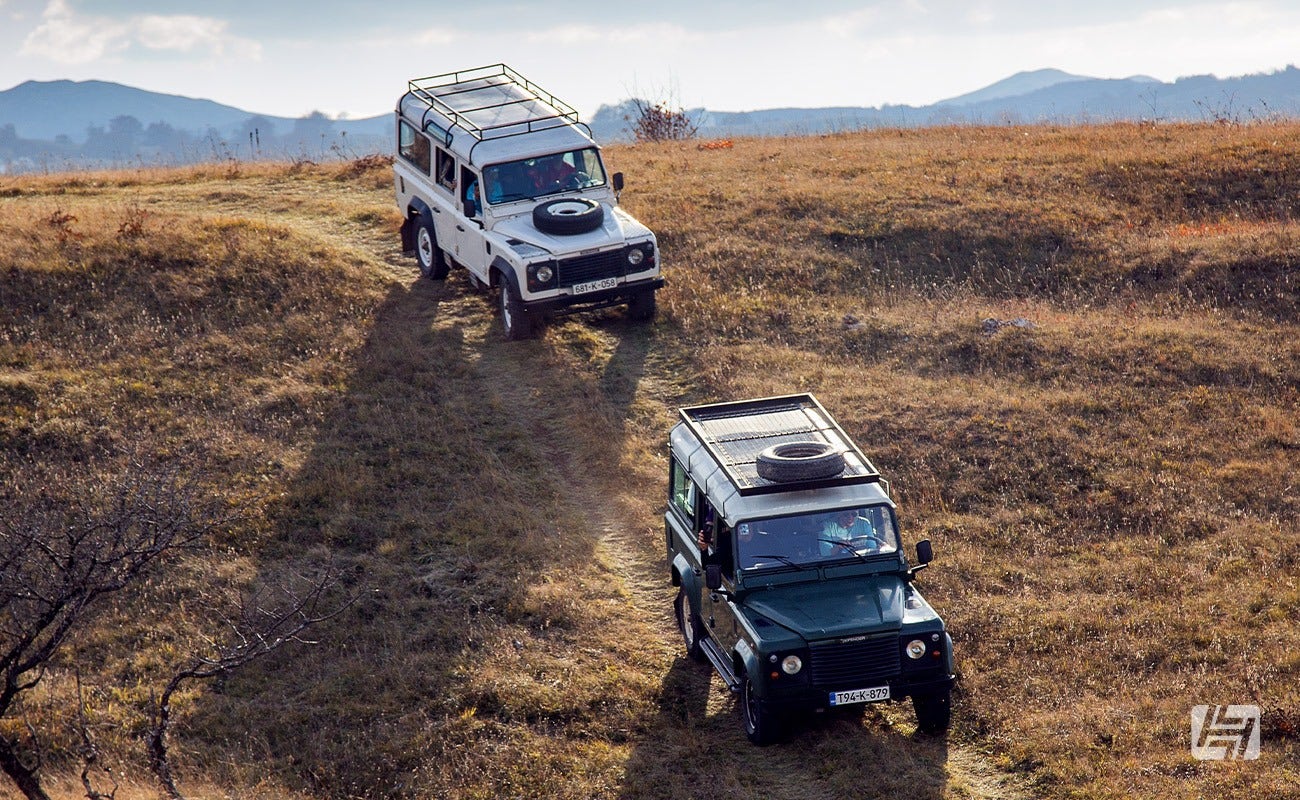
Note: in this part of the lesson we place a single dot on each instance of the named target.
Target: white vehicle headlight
(545, 273)
(635, 256)
(915, 649)
(791, 664)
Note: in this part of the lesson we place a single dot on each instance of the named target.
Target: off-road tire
(760, 723)
(933, 712)
(516, 322)
(568, 216)
(799, 461)
(433, 264)
(689, 624)
(642, 306)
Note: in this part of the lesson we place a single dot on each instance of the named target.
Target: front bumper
(590, 301)
(796, 697)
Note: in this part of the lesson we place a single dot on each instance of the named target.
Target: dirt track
(615, 371)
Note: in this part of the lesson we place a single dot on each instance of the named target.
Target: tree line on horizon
(127, 140)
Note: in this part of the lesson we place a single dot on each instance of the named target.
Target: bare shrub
(66, 542)
(662, 121)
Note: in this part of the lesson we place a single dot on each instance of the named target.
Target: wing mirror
(924, 555)
(713, 577)
(924, 552)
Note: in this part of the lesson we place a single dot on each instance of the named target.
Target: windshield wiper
(782, 559)
(846, 546)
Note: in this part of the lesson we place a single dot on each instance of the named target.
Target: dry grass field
(1110, 484)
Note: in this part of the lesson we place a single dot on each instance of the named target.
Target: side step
(721, 663)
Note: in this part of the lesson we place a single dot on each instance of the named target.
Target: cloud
(568, 35)
(63, 37)
(187, 34)
(68, 37)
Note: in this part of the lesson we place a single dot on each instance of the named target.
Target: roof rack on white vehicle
(489, 102)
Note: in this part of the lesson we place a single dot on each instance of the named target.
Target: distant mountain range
(65, 124)
(1046, 95)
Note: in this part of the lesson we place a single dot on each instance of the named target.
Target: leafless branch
(65, 542)
(265, 621)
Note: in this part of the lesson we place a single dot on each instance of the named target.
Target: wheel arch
(744, 661)
(685, 577)
(415, 210)
(501, 270)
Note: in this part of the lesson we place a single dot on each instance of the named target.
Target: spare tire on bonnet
(799, 461)
(568, 216)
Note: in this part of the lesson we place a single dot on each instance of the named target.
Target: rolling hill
(1109, 488)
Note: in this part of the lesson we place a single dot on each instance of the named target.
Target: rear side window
(446, 170)
(682, 491)
(413, 146)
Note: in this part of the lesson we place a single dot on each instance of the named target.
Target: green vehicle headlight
(791, 664)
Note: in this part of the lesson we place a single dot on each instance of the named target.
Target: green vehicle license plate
(860, 696)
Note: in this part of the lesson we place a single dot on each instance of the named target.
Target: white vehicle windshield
(537, 177)
(812, 538)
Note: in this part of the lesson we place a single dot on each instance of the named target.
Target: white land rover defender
(495, 175)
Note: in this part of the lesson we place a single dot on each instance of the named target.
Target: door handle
(459, 228)
(437, 210)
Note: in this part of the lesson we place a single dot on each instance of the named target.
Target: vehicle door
(719, 613)
(470, 249)
(444, 203)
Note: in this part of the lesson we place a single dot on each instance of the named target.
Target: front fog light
(545, 273)
(635, 256)
(915, 649)
(791, 664)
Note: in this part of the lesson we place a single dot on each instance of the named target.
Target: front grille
(609, 264)
(855, 665)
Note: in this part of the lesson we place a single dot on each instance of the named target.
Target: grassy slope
(1110, 491)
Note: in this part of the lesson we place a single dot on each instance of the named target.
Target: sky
(353, 58)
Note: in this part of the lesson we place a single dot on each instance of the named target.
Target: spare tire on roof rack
(800, 461)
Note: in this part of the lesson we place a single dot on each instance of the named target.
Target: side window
(470, 191)
(724, 553)
(413, 145)
(682, 492)
(446, 169)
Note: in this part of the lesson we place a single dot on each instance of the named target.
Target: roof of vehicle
(492, 114)
(719, 444)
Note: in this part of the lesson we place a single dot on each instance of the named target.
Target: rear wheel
(689, 625)
(933, 712)
(433, 264)
(516, 322)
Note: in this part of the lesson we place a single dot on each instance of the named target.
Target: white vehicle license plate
(595, 286)
(860, 696)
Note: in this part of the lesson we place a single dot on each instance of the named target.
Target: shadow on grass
(440, 487)
(695, 747)
(436, 508)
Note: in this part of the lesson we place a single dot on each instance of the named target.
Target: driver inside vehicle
(551, 171)
(846, 526)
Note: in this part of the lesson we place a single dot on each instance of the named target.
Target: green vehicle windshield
(811, 539)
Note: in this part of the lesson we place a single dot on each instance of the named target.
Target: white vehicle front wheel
(516, 322)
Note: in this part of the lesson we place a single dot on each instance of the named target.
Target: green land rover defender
(792, 579)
